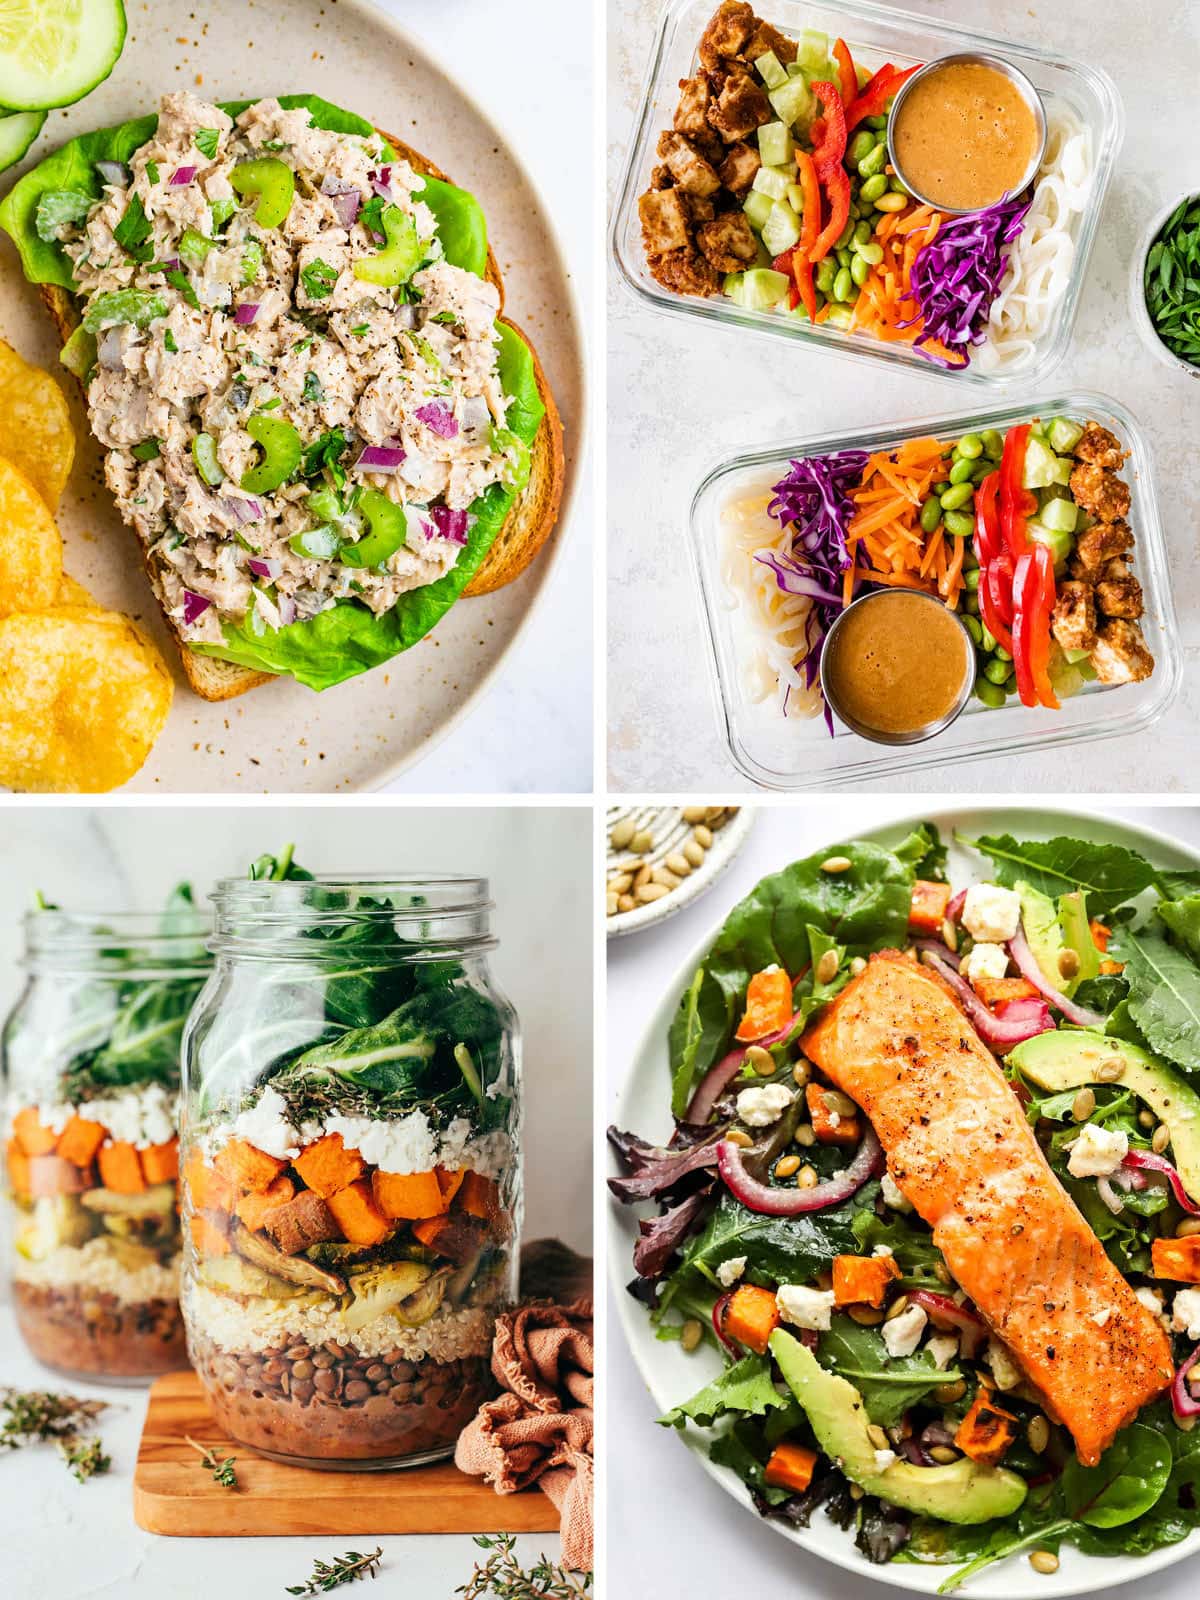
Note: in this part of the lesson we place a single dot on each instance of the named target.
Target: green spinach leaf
(1164, 994)
(1108, 873)
(1182, 918)
(888, 1384)
(1125, 1483)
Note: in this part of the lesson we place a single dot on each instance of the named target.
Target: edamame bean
(843, 256)
(860, 270)
(891, 202)
(970, 445)
(931, 515)
(842, 285)
(955, 498)
(861, 145)
(973, 627)
(971, 579)
(990, 693)
(873, 163)
(855, 211)
(826, 273)
(898, 186)
(972, 603)
(879, 123)
(1001, 653)
(862, 234)
(873, 189)
(989, 640)
(1010, 683)
(872, 253)
(996, 672)
(981, 469)
(961, 471)
(939, 489)
(993, 443)
(844, 238)
(958, 523)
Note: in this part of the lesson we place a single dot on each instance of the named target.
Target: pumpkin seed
(865, 1316)
(626, 902)
(836, 864)
(949, 934)
(947, 1393)
(641, 876)
(827, 967)
(877, 1436)
(857, 1491)
(1068, 963)
(786, 1166)
(806, 1178)
(859, 964)
(641, 842)
(691, 1334)
(1110, 1069)
(1161, 1139)
(619, 882)
(805, 1135)
(649, 892)
(738, 1137)
(1083, 1105)
(943, 1454)
(678, 864)
(693, 814)
(761, 1060)
(666, 877)
(942, 1272)
(1041, 1560)
(896, 1307)
(622, 833)
(1188, 1228)
(1145, 1119)
(1038, 1434)
(801, 1073)
(611, 909)
(701, 835)
(694, 853)
(835, 1100)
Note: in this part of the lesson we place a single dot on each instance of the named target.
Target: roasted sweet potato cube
(830, 1126)
(18, 1167)
(208, 1235)
(328, 1166)
(457, 1238)
(360, 1219)
(986, 1431)
(862, 1280)
(304, 1220)
(120, 1169)
(1176, 1258)
(80, 1140)
(410, 1195)
(160, 1162)
(207, 1189)
(254, 1209)
(927, 910)
(790, 1467)
(751, 1317)
(30, 1133)
(247, 1167)
(450, 1182)
(479, 1197)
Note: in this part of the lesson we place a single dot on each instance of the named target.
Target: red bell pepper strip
(987, 521)
(837, 186)
(810, 228)
(1033, 595)
(846, 72)
(1026, 586)
(829, 132)
(996, 599)
(783, 263)
(1016, 502)
(873, 100)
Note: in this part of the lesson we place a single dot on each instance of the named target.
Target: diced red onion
(115, 172)
(912, 1451)
(381, 182)
(108, 350)
(380, 458)
(180, 176)
(194, 607)
(1002, 1032)
(241, 510)
(246, 313)
(948, 1313)
(937, 948)
(265, 569)
(718, 1322)
(954, 910)
(347, 207)
(452, 525)
(760, 1197)
(1154, 1163)
(287, 610)
(438, 418)
(1182, 1402)
(476, 414)
(173, 264)
(936, 1433)
(1027, 965)
(1109, 1196)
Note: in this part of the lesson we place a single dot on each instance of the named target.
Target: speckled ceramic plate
(283, 737)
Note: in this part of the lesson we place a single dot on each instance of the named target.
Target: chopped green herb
(371, 215)
(252, 260)
(328, 1575)
(222, 210)
(325, 453)
(179, 280)
(314, 390)
(206, 141)
(85, 1457)
(360, 328)
(152, 171)
(275, 144)
(222, 1468)
(302, 344)
(194, 247)
(447, 317)
(169, 343)
(271, 405)
(148, 450)
(133, 230)
(425, 350)
(318, 279)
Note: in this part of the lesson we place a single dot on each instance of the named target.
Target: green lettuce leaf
(1164, 994)
(1108, 873)
(745, 1387)
(888, 1384)
(782, 1249)
(1182, 918)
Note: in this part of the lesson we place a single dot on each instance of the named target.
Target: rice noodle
(774, 642)
(1041, 258)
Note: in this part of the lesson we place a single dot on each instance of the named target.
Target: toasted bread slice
(528, 526)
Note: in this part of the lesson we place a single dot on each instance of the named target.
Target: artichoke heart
(57, 1220)
(158, 1200)
(130, 1255)
(399, 1287)
(292, 1269)
(232, 1275)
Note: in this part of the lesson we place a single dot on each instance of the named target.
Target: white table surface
(695, 1531)
(682, 396)
(532, 730)
(63, 1541)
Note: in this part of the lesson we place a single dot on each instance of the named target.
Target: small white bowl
(1137, 294)
(670, 832)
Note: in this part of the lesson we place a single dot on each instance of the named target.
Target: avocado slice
(964, 1491)
(1067, 1058)
(1077, 935)
(1052, 928)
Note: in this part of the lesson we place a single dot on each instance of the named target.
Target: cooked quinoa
(94, 1266)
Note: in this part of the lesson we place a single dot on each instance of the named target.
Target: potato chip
(30, 547)
(71, 593)
(83, 697)
(35, 425)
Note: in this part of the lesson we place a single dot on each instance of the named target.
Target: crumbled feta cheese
(760, 1107)
(883, 1250)
(985, 961)
(902, 1334)
(806, 1308)
(730, 1271)
(1004, 1369)
(1100, 1318)
(1098, 1152)
(884, 1459)
(990, 913)
(834, 1119)
(943, 1347)
(266, 1127)
(1185, 1313)
(1153, 1301)
(892, 1195)
(142, 1117)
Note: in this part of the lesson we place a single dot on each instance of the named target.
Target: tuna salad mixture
(297, 393)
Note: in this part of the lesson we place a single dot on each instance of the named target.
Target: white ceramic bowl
(727, 841)
(1137, 295)
(672, 1376)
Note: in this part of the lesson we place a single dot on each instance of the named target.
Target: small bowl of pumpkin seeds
(660, 857)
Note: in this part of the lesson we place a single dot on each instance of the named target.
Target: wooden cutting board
(174, 1494)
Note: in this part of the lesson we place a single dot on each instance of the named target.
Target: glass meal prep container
(875, 35)
(351, 1180)
(91, 1059)
(795, 753)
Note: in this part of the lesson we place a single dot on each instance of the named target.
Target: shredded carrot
(884, 538)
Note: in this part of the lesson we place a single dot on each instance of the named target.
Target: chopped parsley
(148, 450)
(206, 141)
(302, 344)
(270, 404)
(133, 230)
(152, 171)
(275, 144)
(314, 390)
(318, 279)
(425, 350)
(326, 453)
(169, 342)
(179, 280)
(360, 328)
(447, 317)
(371, 216)
(222, 210)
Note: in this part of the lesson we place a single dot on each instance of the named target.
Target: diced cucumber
(1056, 541)
(1076, 656)
(1040, 464)
(770, 70)
(771, 182)
(781, 229)
(792, 102)
(795, 69)
(812, 48)
(733, 286)
(1063, 469)
(795, 198)
(762, 288)
(17, 133)
(757, 207)
(1059, 515)
(53, 52)
(775, 144)
(1062, 433)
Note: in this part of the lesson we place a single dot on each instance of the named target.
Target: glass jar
(351, 1184)
(91, 1063)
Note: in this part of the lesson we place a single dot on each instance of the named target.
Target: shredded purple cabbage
(815, 498)
(956, 277)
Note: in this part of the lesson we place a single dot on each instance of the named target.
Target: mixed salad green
(1079, 965)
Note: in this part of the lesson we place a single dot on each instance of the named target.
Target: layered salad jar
(91, 1058)
(351, 1176)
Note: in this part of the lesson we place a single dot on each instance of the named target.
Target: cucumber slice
(1063, 435)
(757, 207)
(733, 287)
(770, 70)
(762, 288)
(17, 133)
(1059, 515)
(771, 182)
(53, 52)
(1040, 464)
(775, 144)
(781, 229)
(792, 102)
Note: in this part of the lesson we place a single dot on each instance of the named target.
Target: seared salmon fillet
(962, 1152)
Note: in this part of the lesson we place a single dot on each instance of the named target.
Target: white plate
(283, 737)
(727, 842)
(671, 1375)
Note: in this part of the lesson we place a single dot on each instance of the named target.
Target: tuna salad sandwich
(287, 326)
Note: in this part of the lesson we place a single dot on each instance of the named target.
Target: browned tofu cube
(1074, 620)
(1119, 594)
(727, 33)
(692, 173)
(665, 221)
(728, 241)
(691, 114)
(739, 168)
(765, 38)
(740, 108)
(1100, 545)
(686, 272)
(1120, 654)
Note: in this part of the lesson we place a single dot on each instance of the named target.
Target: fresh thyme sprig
(32, 1416)
(503, 1576)
(85, 1457)
(222, 1468)
(345, 1569)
